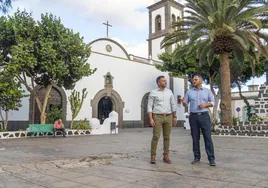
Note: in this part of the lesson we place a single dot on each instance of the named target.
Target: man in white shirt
(162, 114)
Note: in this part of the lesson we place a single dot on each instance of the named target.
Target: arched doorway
(114, 101)
(105, 107)
(144, 116)
(57, 99)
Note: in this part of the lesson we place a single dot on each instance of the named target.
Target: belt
(163, 114)
(198, 113)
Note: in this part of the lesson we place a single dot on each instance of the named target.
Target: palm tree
(221, 28)
(5, 5)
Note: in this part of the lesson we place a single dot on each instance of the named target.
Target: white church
(122, 81)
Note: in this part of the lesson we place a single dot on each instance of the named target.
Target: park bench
(40, 128)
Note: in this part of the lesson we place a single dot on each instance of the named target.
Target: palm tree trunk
(226, 112)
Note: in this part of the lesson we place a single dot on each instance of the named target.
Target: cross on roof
(108, 25)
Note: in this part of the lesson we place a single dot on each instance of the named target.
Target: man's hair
(199, 76)
(158, 78)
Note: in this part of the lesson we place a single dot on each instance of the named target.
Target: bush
(256, 118)
(82, 125)
(3, 130)
(235, 120)
(53, 114)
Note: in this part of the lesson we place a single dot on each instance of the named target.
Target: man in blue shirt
(200, 100)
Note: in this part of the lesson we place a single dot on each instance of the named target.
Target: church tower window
(161, 15)
(173, 17)
(158, 23)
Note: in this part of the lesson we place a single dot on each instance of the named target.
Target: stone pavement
(123, 161)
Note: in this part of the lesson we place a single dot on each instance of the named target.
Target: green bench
(43, 128)
(40, 128)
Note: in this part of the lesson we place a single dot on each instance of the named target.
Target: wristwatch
(174, 116)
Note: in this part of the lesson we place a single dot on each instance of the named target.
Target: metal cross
(108, 25)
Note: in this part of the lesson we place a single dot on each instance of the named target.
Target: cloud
(138, 49)
(131, 14)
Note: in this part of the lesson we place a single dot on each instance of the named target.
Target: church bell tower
(161, 14)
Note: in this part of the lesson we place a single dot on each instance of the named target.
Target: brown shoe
(153, 161)
(166, 159)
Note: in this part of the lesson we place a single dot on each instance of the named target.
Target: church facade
(122, 81)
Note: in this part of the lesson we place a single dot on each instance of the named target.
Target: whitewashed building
(122, 81)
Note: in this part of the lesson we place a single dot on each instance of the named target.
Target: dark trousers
(202, 122)
(62, 130)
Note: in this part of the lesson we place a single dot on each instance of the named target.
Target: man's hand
(174, 121)
(183, 101)
(152, 122)
(202, 106)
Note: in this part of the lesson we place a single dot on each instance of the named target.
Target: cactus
(76, 103)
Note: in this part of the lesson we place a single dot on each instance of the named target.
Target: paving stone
(64, 184)
(41, 162)
(108, 183)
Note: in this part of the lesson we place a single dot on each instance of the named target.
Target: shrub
(235, 120)
(53, 114)
(82, 125)
(256, 118)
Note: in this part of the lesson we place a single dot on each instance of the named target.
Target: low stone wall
(260, 129)
(26, 134)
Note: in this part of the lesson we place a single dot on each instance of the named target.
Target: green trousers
(165, 123)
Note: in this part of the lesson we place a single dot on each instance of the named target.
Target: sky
(129, 20)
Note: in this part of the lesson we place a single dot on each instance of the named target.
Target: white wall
(160, 12)
(176, 12)
(240, 103)
(132, 81)
(23, 113)
(156, 49)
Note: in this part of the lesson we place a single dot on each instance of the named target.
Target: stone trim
(132, 124)
(116, 99)
(123, 58)
(171, 82)
(108, 85)
(32, 102)
(157, 34)
(180, 123)
(17, 125)
(113, 41)
(142, 108)
(165, 2)
(27, 134)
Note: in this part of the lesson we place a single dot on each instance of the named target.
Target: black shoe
(196, 161)
(212, 163)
